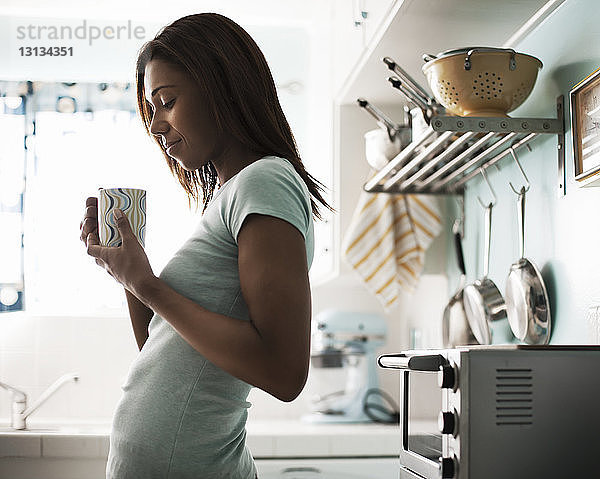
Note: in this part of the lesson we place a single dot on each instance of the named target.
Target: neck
(232, 162)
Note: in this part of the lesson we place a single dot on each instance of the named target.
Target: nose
(158, 126)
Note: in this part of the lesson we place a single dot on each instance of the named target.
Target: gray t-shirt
(180, 416)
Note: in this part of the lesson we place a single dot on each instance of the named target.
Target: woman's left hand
(127, 263)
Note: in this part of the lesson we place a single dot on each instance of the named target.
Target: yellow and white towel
(387, 239)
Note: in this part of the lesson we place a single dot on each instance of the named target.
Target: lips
(169, 146)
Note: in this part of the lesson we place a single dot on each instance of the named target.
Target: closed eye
(167, 105)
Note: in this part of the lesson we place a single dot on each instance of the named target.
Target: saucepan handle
(459, 253)
(521, 219)
(487, 240)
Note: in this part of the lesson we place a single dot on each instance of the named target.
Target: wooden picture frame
(585, 127)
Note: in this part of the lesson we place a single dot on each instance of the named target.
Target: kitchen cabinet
(377, 13)
(354, 25)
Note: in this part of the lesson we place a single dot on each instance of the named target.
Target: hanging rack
(451, 151)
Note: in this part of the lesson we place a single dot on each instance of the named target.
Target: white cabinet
(377, 11)
(380, 468)
(354, 23)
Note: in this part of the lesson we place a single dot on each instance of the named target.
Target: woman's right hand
(89, 224)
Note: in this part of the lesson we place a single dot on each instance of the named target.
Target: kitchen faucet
(20, 412)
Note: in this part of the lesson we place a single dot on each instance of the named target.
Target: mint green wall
(562, 234)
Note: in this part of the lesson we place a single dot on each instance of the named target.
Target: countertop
(266, 439)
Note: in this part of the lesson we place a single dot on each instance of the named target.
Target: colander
(481, 81)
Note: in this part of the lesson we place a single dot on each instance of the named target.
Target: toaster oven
(493, 412)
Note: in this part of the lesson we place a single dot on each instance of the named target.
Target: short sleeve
(268, 187)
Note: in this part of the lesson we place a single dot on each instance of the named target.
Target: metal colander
(481, 81)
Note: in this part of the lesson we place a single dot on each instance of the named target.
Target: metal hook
(493, 202)
(525, 188)
(459, 223)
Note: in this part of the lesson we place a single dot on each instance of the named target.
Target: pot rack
(454, 149)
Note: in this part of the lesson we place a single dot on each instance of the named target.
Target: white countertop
(266, 439)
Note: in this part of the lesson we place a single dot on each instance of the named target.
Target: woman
(232, 308)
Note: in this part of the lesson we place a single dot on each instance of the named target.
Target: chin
(189, 166)
(183, 165)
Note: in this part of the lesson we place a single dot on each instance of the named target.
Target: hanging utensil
(527, 305)
(415, 100)
(413, 91)
(392, 127)
(455, 327)
(482, 299)
(412, 85)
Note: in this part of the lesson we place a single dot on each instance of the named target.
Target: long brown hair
(223, 59)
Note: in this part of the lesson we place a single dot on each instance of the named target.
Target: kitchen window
(12, 187)
(65, 142)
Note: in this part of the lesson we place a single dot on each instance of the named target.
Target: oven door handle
(425, 362)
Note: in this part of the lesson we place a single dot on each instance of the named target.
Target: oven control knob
(447, 422)
(446, 377)
(447, 467)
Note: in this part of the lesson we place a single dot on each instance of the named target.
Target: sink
(70, 429)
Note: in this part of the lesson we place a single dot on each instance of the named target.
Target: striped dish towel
(387, 239)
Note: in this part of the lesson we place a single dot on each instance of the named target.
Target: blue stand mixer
(344, 366)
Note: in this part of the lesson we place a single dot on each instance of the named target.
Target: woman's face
(179, 117)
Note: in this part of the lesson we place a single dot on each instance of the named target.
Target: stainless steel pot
(528, 308)
(482, 299)
(455, 327)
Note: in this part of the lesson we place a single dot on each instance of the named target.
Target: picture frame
(585, 127)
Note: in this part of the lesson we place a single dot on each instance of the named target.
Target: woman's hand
(127, 263)
(89, 224)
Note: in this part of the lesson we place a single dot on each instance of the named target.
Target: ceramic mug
(132, 202)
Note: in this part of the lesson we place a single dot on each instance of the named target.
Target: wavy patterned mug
(132, 202)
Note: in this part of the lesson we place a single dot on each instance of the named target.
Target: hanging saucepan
(482, 299)
(528, 308)
(455, 327)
